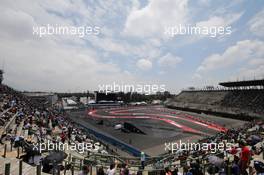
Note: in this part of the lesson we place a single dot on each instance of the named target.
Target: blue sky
(131, 47)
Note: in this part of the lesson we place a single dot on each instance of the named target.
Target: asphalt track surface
(160, 125)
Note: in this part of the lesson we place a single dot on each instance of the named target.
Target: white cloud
(248, 52)
(15, 24)
(125, 48)
(144, 64)
(243, 50)
(256, 24)
(249, 73)
(196, 76)
(224, 21)
(169, 60)
(49, 66)
(256, 61)
(49, 63)
(220, 21)
(108, 44)
(151, 20)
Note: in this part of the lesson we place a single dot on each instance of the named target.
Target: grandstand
(44, 98)
(243, 99)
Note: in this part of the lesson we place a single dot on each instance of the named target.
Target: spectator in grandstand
(159, 165)
(100, 171)
(70, 129)
(175, 171)
(168, 171)
(85, 170)
(195, 168)
(162, 172)
(244, 157)
(139, 173)
(1, 138)
(142, 159)
(112, 169)
(235, 166)
(63, 137)
(124, 169)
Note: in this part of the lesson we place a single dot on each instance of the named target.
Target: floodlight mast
(1, 76)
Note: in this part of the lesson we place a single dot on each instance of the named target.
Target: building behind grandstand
(45, 98)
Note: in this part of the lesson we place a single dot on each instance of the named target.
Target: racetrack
(159, 124)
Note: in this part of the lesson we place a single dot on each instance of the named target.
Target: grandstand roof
(243, 83)
(38, 94)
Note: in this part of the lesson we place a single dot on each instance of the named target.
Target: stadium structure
(233, 99)
(231, 114)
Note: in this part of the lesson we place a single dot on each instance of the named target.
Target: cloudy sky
(131, 46)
